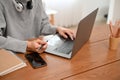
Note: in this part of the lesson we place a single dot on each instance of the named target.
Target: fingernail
(72, 38)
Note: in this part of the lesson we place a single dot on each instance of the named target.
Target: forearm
(13, 44)
(48, 29)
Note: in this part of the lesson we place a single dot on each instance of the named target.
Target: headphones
(20, 7)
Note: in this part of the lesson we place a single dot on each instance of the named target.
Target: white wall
(71, 11)
(114, 11)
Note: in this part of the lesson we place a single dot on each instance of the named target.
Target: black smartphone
(35, 60)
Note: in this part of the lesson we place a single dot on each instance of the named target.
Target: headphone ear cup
(19, 6)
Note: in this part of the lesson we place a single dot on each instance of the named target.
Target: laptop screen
(84, 30)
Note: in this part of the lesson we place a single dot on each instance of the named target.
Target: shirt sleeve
(8, 42)
(13, 44)
(47, 28)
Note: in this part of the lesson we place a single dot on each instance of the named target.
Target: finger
(64, 35)
(42, 45)
(42, 49)
(70, 35)
(74, 35)
(38, 44)
(40, 41)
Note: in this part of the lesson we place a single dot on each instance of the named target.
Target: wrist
(28, 46)
(58, 29)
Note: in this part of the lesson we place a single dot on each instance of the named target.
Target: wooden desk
(109, 71)
(93, 55)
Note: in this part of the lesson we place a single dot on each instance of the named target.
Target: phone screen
(35, 60)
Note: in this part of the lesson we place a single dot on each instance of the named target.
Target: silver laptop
(66, 48)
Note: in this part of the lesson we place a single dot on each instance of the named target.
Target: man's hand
(66, 32)
(34, 45)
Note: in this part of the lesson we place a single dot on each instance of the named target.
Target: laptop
(67, 48)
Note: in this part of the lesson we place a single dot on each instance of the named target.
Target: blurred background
(69, 12)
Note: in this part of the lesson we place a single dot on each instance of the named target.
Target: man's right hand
(34, 45)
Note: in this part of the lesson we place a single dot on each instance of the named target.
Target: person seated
(21, 24)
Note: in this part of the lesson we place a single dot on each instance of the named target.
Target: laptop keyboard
(66, 47)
